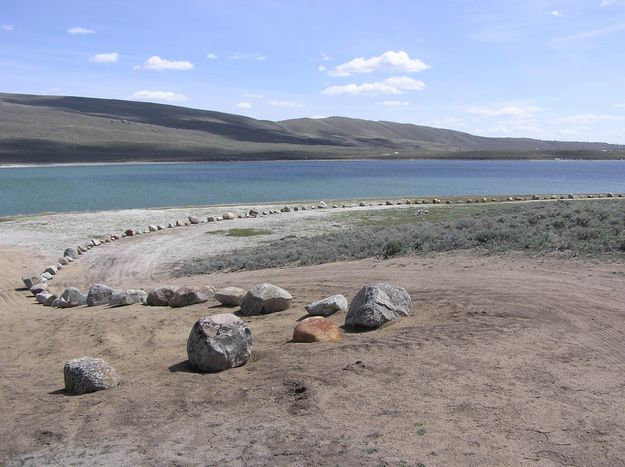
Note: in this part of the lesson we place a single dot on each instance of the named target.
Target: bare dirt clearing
(507, 361)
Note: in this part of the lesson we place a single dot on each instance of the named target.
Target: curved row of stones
(38, 282)
(220, 342)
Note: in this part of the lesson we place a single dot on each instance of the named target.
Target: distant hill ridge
(57, 129)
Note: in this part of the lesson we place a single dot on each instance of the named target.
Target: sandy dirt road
(506, 361)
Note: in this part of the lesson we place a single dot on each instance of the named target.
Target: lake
(29, 190)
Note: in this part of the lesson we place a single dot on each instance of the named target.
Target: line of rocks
(220, 342)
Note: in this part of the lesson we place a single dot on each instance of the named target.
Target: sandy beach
(507, 360)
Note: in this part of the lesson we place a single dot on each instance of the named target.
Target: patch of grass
(240, 232)
(247, 232)
(568, 228)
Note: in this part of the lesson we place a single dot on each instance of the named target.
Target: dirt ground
(506, 361)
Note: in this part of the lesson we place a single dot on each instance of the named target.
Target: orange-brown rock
(317, 329)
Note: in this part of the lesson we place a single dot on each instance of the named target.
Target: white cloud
(619, 106)
(79, 30)
(243, 105)
(7, 27)
(166, 96)
(395, 103)
(243, 56)
(324, 56)
(211, 56)
(606, 2)
(556, 13)
(290, 104)
(589, 118)
(390, 61)
(105, 57)
(252, 96)
(392, 85)
(159, 64)
(527, 111)
(321, 68)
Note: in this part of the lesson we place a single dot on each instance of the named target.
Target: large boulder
(127, 297)
(71, 252)
(160, 296)
(70, 298)
(193, 220)
(327, 306)
(230, 296)
(376, 304)
(317, 329)
(219, 342)
(265, 298)
(83, 375)
(31, 279)
(99, 294)
(228, 216)
(184, 296)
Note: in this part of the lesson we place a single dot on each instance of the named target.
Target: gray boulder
(99, 294)
(47, 276)
(230, 296)
(160, 296)
(63, 260)
(184, 296)
(37, 288)
(83, 375)
(179, 223)
(52, 270)
(71, 252)
(43, 296)
(127, 297)
(70, 298)
(327, 306)
(376, 304)
(219, 342)
(31, 279)
(194, 220)
(152, 228)
(265, 298)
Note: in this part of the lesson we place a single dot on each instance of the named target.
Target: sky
(543, 69)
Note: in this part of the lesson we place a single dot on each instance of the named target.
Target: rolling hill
(56, 129)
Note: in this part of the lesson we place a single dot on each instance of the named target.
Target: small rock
(285, 209)
(210, 219)
(43, 296)
(152, 228)
(38, 288)
(99, 294)
(63, 260)
(362, 204)
(179, 223)
(265, 298)
(71, 297)
(160, 296)
(228, 216)
(127, 297)
(327, 306)
(84, 375)
(31, 279)
(130, 232)
(375, 304)
(610, 195)
(71, 252)
(69, 259)
(47, 276)
(52, 270)
(95, 242)
(160, 227)
(194, 220)
(219, 342)
(322, 205)
(230, 296)
(170, 225)
(317, 329)
(184, 296)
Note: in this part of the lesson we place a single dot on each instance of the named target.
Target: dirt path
(506, 361)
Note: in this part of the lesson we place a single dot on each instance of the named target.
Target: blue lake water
(28, 190)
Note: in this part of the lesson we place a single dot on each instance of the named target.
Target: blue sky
(543, 69)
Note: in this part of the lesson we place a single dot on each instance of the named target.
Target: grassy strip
(590, 228)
